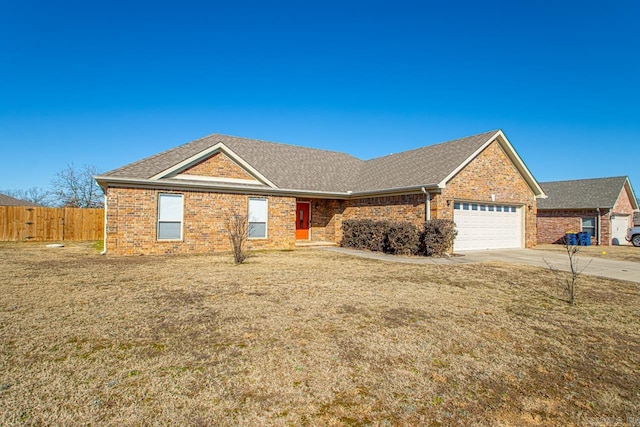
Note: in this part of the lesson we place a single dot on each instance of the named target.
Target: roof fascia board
(219, 147)
(433, 188)
(106, 181)
(512, 154)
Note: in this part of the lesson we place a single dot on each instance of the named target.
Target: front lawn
(308, 337)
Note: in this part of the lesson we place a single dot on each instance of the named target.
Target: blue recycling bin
(584, 238)
(571, 239)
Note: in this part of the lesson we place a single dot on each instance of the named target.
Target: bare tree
(75, 187)
(35, 195)
(238, 232)
(569, 281)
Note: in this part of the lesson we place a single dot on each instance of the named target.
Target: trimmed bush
(399, 238)
(402, 238)
(363, 234)
(437, 237)
(380, 236)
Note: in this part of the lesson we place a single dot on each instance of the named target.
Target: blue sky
(107, 83)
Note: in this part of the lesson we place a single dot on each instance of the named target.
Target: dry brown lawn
(620, 253)
(308, 338)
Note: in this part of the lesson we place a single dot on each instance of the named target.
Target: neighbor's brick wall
(132, 219)
(218, 165)
(554, 224)
(491, 172)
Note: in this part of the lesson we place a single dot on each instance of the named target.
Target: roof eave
(434, 188)
(108, 181)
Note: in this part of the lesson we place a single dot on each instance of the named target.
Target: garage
(487, 226)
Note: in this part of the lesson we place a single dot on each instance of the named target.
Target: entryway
(303, 220)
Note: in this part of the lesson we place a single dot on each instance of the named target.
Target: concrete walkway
(611, 269)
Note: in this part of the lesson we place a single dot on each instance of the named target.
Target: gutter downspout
(427, 204)
(598, 210)
(104, 241)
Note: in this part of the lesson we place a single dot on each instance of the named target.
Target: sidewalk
(610, 269)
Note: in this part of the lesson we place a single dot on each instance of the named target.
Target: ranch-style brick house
(179, 201)
(603, 207)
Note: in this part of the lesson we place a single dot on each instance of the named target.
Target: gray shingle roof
(11, 201)
(421, 166)
(582, 193)
(309, 169)
(287, 166)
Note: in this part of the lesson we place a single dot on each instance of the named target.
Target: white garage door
(485, 226)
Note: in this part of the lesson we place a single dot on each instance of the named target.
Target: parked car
(633, 236)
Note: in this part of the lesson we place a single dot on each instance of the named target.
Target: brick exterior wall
(490, 173)
(553, 224)
(218, 165)
(132, 213)
(132, 222)
(326, 218)
(407, 207)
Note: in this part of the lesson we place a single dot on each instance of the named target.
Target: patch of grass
(98, 245)
(307, 338)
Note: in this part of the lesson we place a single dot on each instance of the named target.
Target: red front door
(302, 221)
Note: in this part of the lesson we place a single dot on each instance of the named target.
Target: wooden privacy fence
(20, 223)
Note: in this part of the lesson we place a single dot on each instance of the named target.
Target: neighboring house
(10, 201)
(601, 206)
(179, 201)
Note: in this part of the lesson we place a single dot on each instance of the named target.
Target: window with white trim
(257, 218)
(589, 225)
(170, 209)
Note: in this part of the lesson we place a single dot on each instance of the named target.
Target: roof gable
(217, 165)
(586, 193)
(236, 169)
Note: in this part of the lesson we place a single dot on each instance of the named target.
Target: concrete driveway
(611, 269)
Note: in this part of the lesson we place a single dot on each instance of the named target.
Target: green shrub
(437, 237)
